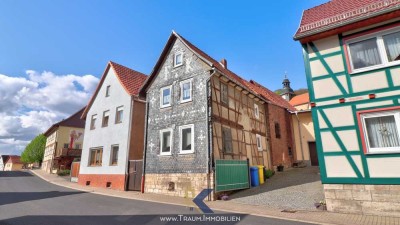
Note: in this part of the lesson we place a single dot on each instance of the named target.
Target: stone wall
(383, 200)
(185, 184)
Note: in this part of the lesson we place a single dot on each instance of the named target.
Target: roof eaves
(299, 36)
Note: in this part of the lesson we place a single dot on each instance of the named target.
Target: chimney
(224, 63)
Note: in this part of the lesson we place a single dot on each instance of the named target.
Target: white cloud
(30, 105)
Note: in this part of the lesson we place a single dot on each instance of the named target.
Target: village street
(27, 199)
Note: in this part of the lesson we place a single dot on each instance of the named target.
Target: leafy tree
(34, 151)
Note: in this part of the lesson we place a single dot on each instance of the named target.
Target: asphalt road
(28, 200)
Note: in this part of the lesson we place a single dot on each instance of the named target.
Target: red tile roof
(14, 159)
(72, 121)
(270, 95)
(300, 99)
(255, 88)
(341, 12)
(130, 80)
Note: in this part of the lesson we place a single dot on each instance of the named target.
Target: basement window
(381, 131)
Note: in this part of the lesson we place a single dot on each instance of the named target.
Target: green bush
(64, 172)
(269, 173)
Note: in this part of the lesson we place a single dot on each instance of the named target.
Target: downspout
(128, 145)
(209, 131)
(300, 135)
(145, 146)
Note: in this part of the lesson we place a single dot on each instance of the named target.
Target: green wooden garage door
(231, 175)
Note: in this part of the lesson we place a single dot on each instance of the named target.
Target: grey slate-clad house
(198, 112)
(177, 119)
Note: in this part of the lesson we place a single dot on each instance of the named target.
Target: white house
(114, 129)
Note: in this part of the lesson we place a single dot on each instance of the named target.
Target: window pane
(392, 46)
(115, 155)
(187, 139)
(365, 53)
(382, 132)
(178, 59)
(224, 93)
(186, 91)
(166, 96)
(227, 140)
(166, 142)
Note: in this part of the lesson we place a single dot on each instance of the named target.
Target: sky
(52, 53)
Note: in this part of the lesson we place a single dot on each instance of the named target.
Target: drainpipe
(128, 147)
(209, 131)
(145, 147)
(300, 135)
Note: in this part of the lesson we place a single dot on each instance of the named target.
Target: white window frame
(381, 49)
(191, 90)
(112, 154)
(191, 126)
(256, 111)
(175, 55)
(93, 123)
(161, 96)
(105, 114)
(259, 140)
(117, 110)
(389, 150)
(170, 141)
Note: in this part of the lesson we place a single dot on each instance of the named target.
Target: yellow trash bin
(261, 174)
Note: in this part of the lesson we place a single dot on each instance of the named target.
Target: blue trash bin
(255, 180)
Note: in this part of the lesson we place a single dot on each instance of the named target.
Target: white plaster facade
(113, 134)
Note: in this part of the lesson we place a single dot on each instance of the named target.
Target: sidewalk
(319, 217)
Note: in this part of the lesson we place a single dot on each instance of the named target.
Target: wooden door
(135, 175)
(312, 147)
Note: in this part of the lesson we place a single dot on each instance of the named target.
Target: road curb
(177, 204)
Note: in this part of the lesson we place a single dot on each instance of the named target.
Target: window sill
(176, 66)
(94, 165)
(373, 68)
(118, 122)
(185, 101)
(383, 153)
(165, 106)
(114, 165)
(165, 154)
(186, 153)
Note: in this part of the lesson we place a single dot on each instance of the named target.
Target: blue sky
(53, 52)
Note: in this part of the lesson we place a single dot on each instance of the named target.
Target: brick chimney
(224, 63)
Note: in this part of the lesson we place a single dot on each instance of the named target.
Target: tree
(34, 151)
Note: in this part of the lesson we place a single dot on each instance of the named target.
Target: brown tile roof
(15, 159)
(341, 12)
(300, 99)
(72, 121)
(130, 80)
(255, 88)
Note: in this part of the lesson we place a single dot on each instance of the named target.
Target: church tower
(287, 91)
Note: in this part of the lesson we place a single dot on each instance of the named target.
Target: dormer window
(108, 91)
(178, 59)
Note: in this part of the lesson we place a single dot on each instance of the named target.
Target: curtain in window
(392, 46)
(186, 91)
(166, 96)
(382, 132)
(365, 53)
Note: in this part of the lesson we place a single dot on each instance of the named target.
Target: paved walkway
(293, 189)
(320, 217)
